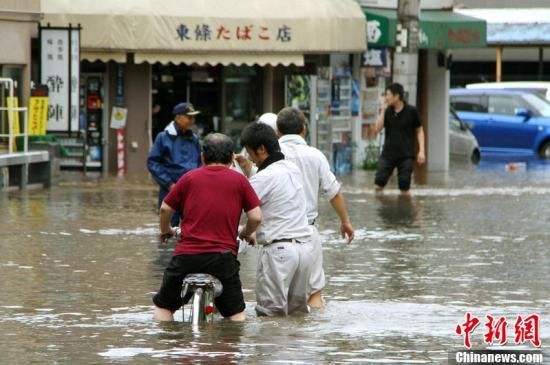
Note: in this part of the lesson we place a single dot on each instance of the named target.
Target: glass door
(16, 74)
(242, 94)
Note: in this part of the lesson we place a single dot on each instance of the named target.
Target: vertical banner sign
(55, 74)
(13, 103)
(38, 115)
(38, 110)
(75, 78)
(60, 70)
(121, 167)
(119, 95)
(14, 123)
(118, 120)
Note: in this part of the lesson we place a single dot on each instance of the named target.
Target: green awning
(438, 29)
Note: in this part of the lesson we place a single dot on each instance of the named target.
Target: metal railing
(11, 109)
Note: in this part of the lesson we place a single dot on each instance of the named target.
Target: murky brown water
(79, 264)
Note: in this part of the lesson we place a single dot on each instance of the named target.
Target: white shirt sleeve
(328, 184)
(260, 185)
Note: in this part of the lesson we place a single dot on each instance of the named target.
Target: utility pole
(405, 64)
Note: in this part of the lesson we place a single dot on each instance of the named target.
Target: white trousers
(283, 277)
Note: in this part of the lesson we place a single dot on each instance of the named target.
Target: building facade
(18, 26)
(231, 59)
(441, 31)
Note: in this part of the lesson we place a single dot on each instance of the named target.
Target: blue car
(505, 121)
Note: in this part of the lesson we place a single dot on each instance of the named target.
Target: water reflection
(400, 210)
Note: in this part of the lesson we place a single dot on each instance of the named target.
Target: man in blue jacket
(176, 151)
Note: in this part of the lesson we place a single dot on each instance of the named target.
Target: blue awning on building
(524, 26)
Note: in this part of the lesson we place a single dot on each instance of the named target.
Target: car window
(454, 119)
(454, 123)
(539, 106)
(506, 104)
(468, 103)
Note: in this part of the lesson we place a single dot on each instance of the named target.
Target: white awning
(225, 59)
(93, 56)
(260, 27)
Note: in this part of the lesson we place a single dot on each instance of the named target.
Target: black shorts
(404, 172)
(223, 266)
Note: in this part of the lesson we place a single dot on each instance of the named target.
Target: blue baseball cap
(185, 109)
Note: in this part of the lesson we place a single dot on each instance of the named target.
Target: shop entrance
(84, 148)
(199, 85)
(228, 97)
(242, 97)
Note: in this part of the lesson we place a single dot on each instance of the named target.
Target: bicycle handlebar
(166, 238)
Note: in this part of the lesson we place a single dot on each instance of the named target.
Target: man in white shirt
(285, 259)
(291, 127)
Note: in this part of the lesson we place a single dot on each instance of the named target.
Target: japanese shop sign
(225, 33)
(60, 53)
(375, 57)
(437, 29)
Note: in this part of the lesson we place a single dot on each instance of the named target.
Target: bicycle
(204, 288)
(201, 290)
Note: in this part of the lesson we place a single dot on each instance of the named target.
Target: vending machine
(91, 99)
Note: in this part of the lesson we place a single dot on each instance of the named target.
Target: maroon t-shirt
(211, 199)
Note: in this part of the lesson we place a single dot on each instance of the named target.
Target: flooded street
(79, 264)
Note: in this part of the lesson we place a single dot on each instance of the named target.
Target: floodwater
(79, 264)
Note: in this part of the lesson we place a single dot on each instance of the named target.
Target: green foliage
(372, 153)
(370, 165)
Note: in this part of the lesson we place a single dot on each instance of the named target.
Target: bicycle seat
(204, 280)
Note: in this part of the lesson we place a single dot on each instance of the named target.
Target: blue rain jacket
(172, 155)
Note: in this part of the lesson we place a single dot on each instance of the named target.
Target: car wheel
(544, 152)
(475, 156)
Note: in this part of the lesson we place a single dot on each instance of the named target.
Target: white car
(462, 143)
(541, 88)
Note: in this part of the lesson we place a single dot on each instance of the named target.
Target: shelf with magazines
(341, 91)
(341, 118)
(323, 105)
(74, 151)
(372, 85)
(341, 123)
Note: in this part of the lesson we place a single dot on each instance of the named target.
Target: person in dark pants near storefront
(403, 127)
(176, 151)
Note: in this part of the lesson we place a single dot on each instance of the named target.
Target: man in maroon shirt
(212, 199)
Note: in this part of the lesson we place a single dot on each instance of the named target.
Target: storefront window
(242, 94)
(16, 74)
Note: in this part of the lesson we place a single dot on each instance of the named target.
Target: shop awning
(225, 59)
(222, 27)
(93, 56)
(438, 29)
(514, 26)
